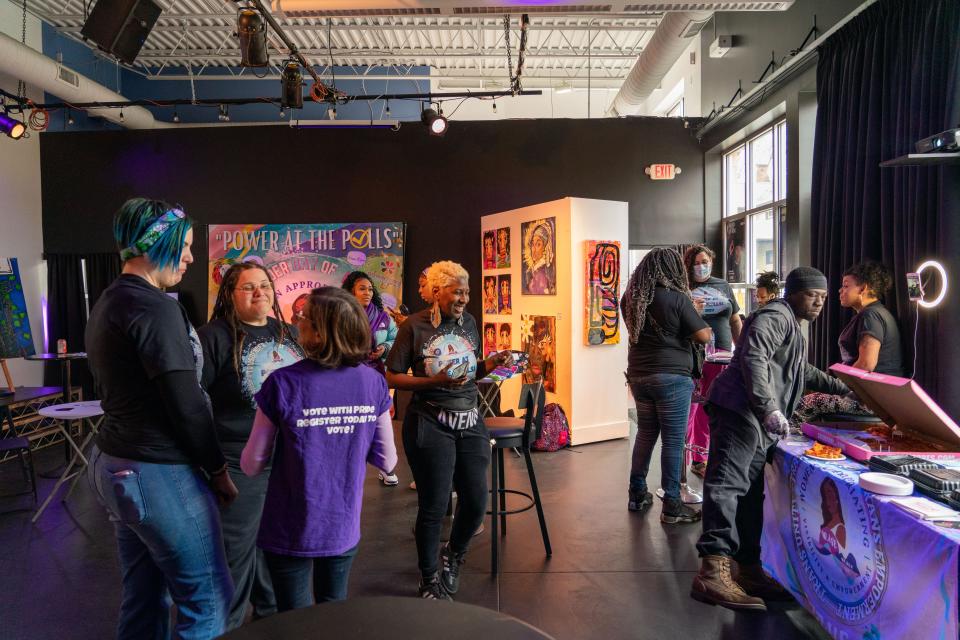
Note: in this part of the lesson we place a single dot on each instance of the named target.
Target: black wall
(439, 186)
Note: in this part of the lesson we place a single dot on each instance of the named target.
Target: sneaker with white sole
(388, 479)
(688, 495)
(432, 589)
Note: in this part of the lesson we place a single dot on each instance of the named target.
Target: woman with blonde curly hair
(443, 433)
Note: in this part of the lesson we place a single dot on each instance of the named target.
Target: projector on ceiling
(720, 46)
(943, 142)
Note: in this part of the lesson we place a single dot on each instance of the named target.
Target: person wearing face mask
(242, 345)
(713, 297)
(443, 432)
(748, 406)
(870, 341)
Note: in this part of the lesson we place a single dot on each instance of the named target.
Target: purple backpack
(556, 430)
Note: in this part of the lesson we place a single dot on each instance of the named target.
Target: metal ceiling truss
(195, 38)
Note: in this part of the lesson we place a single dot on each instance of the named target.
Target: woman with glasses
(242, 345)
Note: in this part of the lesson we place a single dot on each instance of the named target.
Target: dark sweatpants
(440, 458)
(733, 488)
(241, 523)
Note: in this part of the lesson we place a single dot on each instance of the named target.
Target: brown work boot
(715, 585)
(755, 581)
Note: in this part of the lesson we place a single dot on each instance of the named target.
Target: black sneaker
(450, 573)
(639, 500)
(675, 512)
(431, 589)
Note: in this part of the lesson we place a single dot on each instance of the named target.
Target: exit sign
(662, 171)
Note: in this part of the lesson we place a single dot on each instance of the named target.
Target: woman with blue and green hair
(156, 464)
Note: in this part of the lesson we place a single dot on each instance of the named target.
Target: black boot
(639, 500)
(675, 512)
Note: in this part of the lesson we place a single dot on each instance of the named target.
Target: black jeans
(241, 524)
(292, 584)
(440, 458)
(733, 489)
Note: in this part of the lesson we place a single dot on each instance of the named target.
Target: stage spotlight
(176, 116)
(13, 128)
(434, 121)
(291, 86)
(224, 115)
(252, 32)
(332, 113)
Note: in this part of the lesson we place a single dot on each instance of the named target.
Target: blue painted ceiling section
(134, 86)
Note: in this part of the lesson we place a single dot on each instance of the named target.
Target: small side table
(65, 359)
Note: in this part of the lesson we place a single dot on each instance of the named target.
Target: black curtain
(885, 80)
(102, 269)
(66, 313)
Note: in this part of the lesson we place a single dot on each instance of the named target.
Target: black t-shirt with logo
(668, 353)
(876, 321)
(135, 334)
(231, 393)
(426, 350)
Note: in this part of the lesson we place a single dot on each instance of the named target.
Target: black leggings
(441, 459)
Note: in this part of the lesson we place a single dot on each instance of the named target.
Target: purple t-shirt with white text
(326, 421)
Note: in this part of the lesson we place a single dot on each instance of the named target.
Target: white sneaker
(688, 495)
(390, 480)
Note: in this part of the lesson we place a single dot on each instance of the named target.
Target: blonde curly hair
(446, 272)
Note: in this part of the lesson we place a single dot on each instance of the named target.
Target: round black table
(389, 617)
(65, 360)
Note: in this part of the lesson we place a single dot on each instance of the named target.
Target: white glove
(776, 424)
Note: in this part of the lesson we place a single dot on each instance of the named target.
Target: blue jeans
(291, 578)
(170, 546)
(663, 405)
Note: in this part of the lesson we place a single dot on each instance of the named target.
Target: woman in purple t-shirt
(322, 420)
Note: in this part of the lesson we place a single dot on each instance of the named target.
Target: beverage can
(61, 347)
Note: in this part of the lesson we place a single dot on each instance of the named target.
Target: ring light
(933, 264)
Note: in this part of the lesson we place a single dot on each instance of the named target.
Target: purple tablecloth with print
(866, 569)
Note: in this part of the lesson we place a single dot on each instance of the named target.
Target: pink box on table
(912, 422)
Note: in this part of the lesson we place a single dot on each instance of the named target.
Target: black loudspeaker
(120, 27)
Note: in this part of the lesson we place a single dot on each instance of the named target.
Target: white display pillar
(589, 382)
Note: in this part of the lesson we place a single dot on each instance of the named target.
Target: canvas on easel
(16, 339)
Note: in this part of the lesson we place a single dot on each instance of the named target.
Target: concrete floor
(613, 574)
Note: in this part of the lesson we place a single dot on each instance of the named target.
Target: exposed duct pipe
(34, 68)
(667, 43)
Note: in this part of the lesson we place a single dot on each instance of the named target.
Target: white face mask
(702, 271)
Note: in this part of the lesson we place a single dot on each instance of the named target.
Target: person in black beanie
(748, 406)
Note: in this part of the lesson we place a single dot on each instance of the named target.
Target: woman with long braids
(663, 325)
(242, 345)
(156, 465)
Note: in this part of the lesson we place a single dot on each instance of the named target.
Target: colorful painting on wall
(503, 247)
(602, 322)
(489, 338)
(489, 249)
(490, 295)
(539, 255)
(505, 294)
(16, 339)
(538, 341)
(301, 257)
(504, 337)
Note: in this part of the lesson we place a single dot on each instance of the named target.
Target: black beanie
(804, 278)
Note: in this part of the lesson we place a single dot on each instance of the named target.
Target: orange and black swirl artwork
(602, 323)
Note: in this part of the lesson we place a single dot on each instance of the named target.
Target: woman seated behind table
(768, 287)
(321, 420)
(870, 341)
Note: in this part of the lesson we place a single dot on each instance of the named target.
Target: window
(754, 207)
(676, 111)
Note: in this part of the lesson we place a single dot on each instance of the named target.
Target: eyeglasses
(250, 287)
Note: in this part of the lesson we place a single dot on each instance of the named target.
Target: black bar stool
(512, 433)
